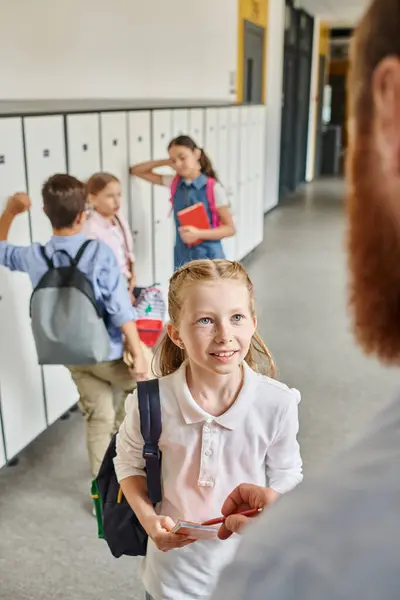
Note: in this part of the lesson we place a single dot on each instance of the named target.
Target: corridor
(299, 272)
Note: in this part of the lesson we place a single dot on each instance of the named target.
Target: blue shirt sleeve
(15, 258)
(114, 289)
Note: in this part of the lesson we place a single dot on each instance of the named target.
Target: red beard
(374, 252)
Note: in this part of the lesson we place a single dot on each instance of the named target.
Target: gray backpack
(67, 324)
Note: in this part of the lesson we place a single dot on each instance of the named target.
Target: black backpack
(117, 523)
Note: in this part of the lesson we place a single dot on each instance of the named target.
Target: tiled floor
(48, 545)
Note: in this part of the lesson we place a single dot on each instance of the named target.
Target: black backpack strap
(150, 427)
(47, 260)
(81, 251)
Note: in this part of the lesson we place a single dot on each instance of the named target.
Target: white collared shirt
(203, 459)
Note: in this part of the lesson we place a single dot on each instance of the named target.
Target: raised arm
(145, 170)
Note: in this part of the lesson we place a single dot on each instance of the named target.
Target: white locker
(243, 197)
(45, 155)
(196, 126)
(233, 167)
(222, 170)
(83, 145)
(114, 151)
(163, 222)
(2, 455)
(253, 156)
(21, 388)
(141, 209)
(211, 136)
(180, 122)
(260, 144)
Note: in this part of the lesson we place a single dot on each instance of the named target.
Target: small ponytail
(206, 165)
(168, 357)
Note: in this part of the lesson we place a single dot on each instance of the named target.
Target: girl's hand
(140, 368)
(189, 234)
(158, 528)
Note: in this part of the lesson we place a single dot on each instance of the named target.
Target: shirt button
(209, 420)
(208, 452)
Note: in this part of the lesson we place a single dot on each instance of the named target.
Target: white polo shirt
(203, 459)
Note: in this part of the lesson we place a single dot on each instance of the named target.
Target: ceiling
(339, 13)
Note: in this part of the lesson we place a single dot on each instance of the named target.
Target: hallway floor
(48, 545)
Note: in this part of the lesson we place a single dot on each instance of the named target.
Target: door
(232, 185)
(180, 122)
(222, 169)
(318, 141)
(196, 125)
(114, 151)
(21, 386)
(253, 63)
(211, 137)
(287, 162)
(163, 222)
(243, 195)
(45, 155)
(141, 205)
(83, 145)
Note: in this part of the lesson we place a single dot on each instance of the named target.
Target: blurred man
(338, 535)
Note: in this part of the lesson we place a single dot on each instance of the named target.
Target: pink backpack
(210, 193)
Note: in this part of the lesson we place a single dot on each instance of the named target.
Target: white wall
(117, 48)
(275, 41)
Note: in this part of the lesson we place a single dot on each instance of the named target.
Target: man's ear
(173, 334)
(386, 114)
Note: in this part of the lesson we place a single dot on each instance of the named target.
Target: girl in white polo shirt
(223, 423)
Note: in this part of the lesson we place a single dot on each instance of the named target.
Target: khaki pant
(103, 388)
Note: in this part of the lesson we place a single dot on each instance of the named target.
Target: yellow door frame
(255, 11)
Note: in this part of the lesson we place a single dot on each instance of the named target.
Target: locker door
(260, 143)
(233, 169)
(180, 122)
(21, 388)
(163, 223)
(196, 126)
(253, 216)
(114, 151)
(211, 136)
(243, 197)
(83, 144)
(141, 206)
(222, 170)
(45, 155)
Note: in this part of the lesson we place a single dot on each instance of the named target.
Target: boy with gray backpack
(80, 307)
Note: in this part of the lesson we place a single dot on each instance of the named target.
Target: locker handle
(115, 142)
(140, 139)
(84, 147)
(135, 232)
(162, 136)
(46, 152)
(2, 159)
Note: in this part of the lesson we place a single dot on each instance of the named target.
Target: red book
(194, 216)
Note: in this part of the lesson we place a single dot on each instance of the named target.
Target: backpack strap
(80, 252)
(48, 261)
(174, 187)
(150, 427)
(210, 192)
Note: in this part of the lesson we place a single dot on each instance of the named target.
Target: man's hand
(159, 528)
(18, 203)
(245, 497)
(189, 234)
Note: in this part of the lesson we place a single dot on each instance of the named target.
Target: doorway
(299, 31)
(253, 60)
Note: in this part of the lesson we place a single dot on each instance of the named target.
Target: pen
(220, 520)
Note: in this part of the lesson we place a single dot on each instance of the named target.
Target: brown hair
(99, 181)
(170, 356)
(64, 198)
(205, 163)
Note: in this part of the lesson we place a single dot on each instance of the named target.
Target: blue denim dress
(186, 195)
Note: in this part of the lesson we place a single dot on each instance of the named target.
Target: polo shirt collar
(193, 413)
(197, 183)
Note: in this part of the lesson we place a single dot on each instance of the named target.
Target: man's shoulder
(343, 520)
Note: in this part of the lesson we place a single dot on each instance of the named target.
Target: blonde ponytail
(168, 357)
